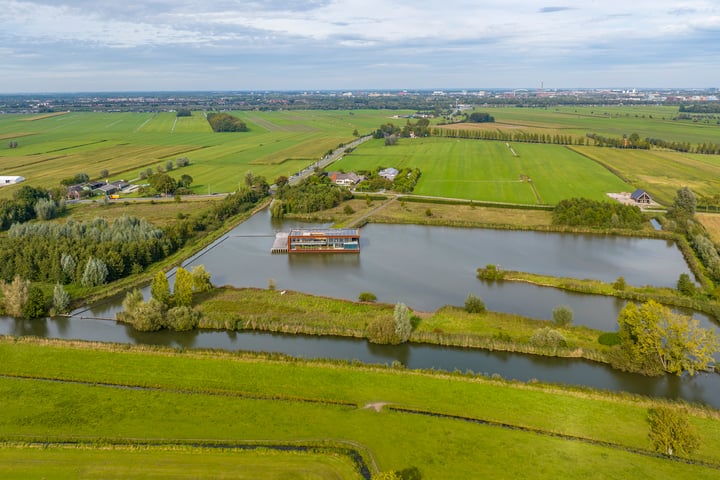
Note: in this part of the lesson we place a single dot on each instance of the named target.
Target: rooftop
(335, 232)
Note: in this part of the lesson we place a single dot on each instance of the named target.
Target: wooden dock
(280, 244)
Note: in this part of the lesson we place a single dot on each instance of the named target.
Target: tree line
(597, 214)
(314, 194)
(224, 122)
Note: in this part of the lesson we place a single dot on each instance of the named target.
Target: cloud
(554, 9)
(478, 41)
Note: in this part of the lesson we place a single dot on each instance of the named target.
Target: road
(326, 160)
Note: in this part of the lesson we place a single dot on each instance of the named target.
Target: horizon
(58, 46)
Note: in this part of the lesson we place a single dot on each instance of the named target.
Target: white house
(389, 173)
(10, 180)
(345, 179)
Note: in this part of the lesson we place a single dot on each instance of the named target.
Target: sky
(211, 45)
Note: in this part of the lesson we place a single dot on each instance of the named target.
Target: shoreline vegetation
(229, 308)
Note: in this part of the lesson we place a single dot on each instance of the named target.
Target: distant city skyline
(191, 45)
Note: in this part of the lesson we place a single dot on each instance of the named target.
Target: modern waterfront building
(332, 240)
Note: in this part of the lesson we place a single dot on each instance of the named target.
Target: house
(345, 179)
(106, 189)
(641, 196)
(389, 173)
(120, 184)
(10, 180)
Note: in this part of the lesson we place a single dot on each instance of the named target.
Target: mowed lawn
(135, 396)
(489, 171)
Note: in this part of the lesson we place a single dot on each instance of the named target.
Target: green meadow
(115, 400)
(489, 171)
(279, 143)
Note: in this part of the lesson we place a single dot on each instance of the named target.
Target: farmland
(278, 143)
(284, 142)
(123, 405)
(488, 171)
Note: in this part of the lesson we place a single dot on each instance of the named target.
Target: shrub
(548, 337)
(685, 285)
(474, 304)
(403, 325)
(382, 330)
(36, 306)
(490, 272)
(367, 297)
(348, 210)
(182, 318)
(619, 284)
(562, 315)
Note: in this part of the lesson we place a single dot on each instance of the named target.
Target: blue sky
(161, 45)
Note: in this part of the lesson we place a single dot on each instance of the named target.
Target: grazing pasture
(54, 147)
(489, 170)
(661, 173)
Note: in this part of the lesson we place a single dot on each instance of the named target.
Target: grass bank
(298, 313)
(664, 295)
(105, 394)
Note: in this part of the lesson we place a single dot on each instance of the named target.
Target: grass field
(130, 461)
(102, 394)
(283, 142)
(279, 143)
(488, 171)
(661, 173)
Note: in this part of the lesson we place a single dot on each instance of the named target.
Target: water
(704, 388)
(426, 268)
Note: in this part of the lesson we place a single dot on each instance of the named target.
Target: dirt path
(359, 220)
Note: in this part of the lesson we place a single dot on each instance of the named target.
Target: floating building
(331, 240)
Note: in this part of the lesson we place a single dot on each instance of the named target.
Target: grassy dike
(148, 410)
(666, 296)
(293, 312)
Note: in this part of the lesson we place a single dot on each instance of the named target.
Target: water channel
(426, 268)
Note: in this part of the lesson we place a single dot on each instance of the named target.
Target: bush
(685, 285)
(490, 272)
(367, 297)
(382, 331)
(548, 337)
(348, 210)
(474, 304)
(562, 315)
(619, 284)
(36, 306)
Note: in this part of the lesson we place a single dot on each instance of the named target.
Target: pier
(280, 244)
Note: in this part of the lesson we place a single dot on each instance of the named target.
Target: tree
(104, 173)
(132, 300)
(474, 304)
(367, 297)
(185, 180)
(562, 315)
(671, 433)
(36, 306)
(201, 279)
(685, 285)
(619, 284)
(183, 290)
(149, 316)
(160, 289)
(61, 299)
(654, 339)
(45, 209)
(15, 296)
(685, 202)
(403, 325)
(95, 274)
(182, 318)
(67, 264)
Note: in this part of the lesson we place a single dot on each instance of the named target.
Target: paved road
(326, 160)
